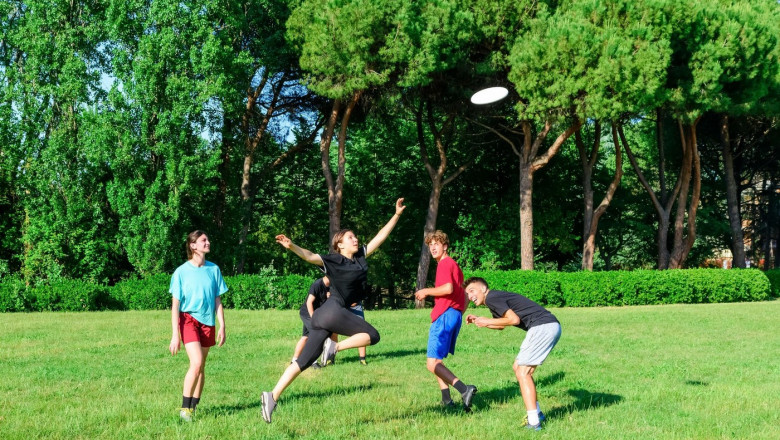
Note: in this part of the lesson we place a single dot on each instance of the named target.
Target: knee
(431, 364)
(523, 370)
(197, 365)
(374, 336)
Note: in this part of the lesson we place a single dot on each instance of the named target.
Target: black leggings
(332, 317)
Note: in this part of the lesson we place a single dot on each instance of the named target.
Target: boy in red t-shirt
(449, 305)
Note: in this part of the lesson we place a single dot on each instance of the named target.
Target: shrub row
(774, 281)
(640, 287)
(266, 290)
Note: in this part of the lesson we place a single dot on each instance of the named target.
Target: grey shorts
(538, 343)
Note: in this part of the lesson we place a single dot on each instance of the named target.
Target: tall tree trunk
(438, 181)
(336, 186)
(732, 196)
(592, 216)
(526, 192)
(687, 209)
(663, 208)
(530, 161)
(250, 146)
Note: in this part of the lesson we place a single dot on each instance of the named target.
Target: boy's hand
(420, 294)
(470, 319)
(481, 321)
(174, 347)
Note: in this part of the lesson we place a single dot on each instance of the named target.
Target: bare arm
(305, 254)
(310, 305)
(175, 338)
(510, 318)
(221, 319)
(383, 233)
(443, 290)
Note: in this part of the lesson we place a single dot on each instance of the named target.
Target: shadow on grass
(290, 396)
(485, 398)
(397, 353)
(584, 400)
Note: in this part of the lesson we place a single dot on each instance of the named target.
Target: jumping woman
(347, 271)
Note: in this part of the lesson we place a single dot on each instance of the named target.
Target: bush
(774, 281)
(640, 287)
(69, 296)
(13, 295)
(538, 286)
(150, 293)
(266, 290)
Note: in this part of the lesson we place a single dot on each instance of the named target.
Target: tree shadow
(584, 400)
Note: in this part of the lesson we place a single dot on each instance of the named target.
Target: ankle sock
(460, 386)
(533, 417)
(186, 402)
(194, 404)
(445, 395)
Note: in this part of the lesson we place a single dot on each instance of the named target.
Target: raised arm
(305, 254)
(383, 233)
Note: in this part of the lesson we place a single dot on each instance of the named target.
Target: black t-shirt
(348, 276)
(531, 314)
(319, 291)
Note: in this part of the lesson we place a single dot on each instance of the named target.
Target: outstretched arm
(305, 254)
(383, 233)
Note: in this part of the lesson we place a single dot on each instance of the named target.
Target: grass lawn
(656, 372)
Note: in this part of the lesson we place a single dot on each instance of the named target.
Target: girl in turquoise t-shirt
(196, 287)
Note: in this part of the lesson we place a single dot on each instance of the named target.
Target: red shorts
(191, 330)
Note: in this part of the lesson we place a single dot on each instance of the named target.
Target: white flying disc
(489, 95)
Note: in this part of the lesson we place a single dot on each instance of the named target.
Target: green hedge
(617, 288)
(774, 281)
(268, 290)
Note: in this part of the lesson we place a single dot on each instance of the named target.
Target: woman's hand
(399, 206)
(284, 241)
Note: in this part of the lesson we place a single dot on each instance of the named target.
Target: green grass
(654, 372)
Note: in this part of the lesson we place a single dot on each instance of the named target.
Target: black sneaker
(268, 404)
(447, 404)
(467, 396)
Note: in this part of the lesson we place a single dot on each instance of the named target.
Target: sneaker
(541, 418)
(267, 404)
(447, 404)
(363, 362)
(186, 414)
(467, 396)
(326, 348)
(537, 427)
(316, 365)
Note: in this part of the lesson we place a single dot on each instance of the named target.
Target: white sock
(533, 417)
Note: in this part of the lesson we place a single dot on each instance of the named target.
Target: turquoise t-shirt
(197, 289)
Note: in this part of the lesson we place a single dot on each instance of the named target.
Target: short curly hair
(438, 236)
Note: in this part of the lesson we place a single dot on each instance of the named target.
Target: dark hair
(475, 280)
(192, 237)
(337, 237)
(439, 236)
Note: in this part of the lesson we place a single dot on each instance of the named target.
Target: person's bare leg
(524, 374)
(202, 376)
(299, 346)
(191, 379)
(354, 341)
(290, 373)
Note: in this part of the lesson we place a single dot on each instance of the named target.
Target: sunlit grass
(672, 372)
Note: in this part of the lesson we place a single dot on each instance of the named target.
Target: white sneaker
(186, 414)
(326, 348)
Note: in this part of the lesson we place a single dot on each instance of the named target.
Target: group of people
(333, 307)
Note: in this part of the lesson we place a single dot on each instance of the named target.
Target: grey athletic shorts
(538, 343)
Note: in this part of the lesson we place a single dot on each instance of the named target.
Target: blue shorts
(444, 333)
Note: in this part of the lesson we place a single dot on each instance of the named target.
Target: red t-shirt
(448, 271)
